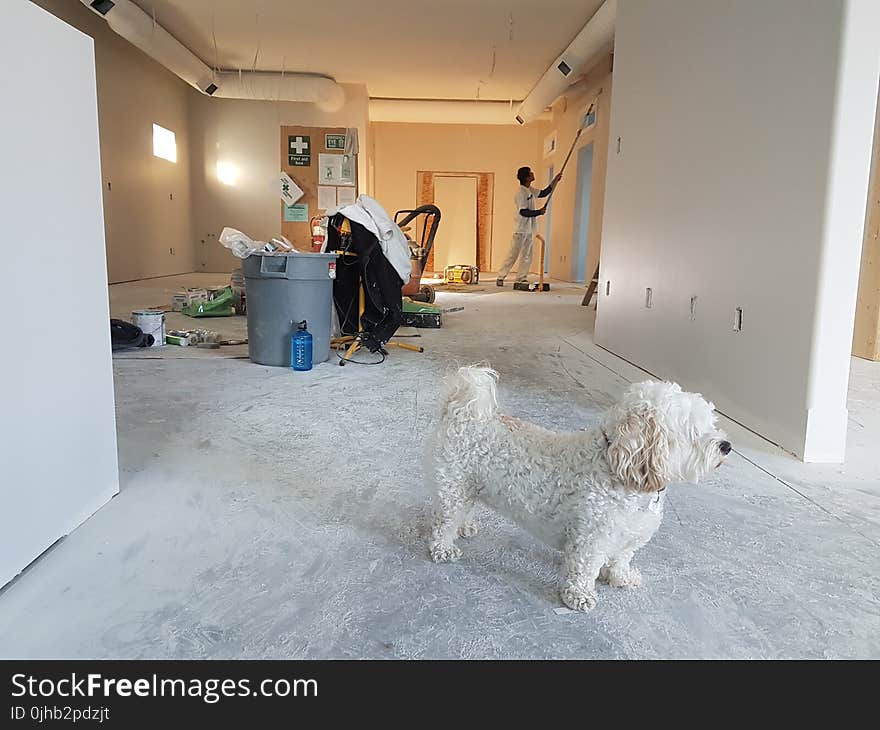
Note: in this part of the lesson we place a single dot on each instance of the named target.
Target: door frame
(485, 205)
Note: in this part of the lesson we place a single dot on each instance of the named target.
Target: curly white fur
(597, 495)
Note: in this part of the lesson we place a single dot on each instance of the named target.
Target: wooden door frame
(485, 204)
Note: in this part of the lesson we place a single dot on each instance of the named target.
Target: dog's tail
(469, 394)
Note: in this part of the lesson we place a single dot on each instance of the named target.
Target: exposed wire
(259, 41)
(214, 38)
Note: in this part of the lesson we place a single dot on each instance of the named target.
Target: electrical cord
(341, 349)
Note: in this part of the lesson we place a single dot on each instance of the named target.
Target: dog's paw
(468, 529)
(578, 599)
(445, 553)
(617, 577)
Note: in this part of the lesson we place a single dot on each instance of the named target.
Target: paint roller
(584, 124)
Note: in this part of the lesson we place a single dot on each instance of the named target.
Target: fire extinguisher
(319, 233)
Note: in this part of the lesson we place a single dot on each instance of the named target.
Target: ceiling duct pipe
(594, 37)
(438, 111)
(324, 92)
(139, 29)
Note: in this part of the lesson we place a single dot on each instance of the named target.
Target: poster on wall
(290, 191)
(345, 196)
(334, 141)
(335, 169)
(299, 150)
(326, 197)
(297, 213)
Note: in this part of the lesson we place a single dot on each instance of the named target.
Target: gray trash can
(284, 289)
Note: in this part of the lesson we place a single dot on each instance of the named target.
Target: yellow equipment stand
(354, 341)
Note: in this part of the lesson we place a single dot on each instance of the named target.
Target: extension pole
(573, 143)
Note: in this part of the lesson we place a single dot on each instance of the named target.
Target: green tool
(220, 306)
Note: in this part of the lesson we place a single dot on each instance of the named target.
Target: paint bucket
(151, 322)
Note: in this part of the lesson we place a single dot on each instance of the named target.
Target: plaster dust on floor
(265, 513)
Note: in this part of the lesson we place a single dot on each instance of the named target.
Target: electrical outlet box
(738, 319)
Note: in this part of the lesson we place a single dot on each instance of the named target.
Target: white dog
(597, 494)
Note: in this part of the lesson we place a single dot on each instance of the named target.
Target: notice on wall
(334, 141)
(297, 213)
(335, 170)
(299, 150)
(290, 191)
(326, 197)
(345, 196)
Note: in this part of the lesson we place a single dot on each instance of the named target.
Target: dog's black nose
(725, 447)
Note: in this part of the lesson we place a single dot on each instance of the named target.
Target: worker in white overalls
(525, 224)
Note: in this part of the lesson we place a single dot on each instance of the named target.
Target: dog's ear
(638, 450)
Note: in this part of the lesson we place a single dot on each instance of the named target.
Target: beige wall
(866, 334)
(566, 117)
(143, 223)
(247, 135)
(401, 150)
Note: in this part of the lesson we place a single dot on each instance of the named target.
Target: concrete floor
(270, 514)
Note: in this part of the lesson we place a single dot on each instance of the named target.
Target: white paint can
(151, 322)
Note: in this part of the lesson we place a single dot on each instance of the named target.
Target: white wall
(746, 132)
(57, 432)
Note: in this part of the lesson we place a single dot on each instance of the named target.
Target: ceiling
(412, 49)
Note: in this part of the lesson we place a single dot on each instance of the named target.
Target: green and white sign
(299, 150)
(334, 141)
(297, 213)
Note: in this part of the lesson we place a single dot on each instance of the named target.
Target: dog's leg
(468, 527)
(582, 564)
(618, 572)
(451, 508)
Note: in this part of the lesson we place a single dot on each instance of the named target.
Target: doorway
(582, 212)
(456, 241)
(425, 194)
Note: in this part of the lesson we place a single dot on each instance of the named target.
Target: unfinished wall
(147, 200)
(730, 188)
(866, 335)
(567, 114)
(400, 150)
(58, 431)
(244, 134)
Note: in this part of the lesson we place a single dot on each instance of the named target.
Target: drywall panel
(148, 208)
(741, 178)
(58, 432)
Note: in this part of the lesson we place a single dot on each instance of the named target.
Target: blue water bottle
(301, 348)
